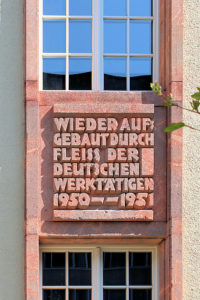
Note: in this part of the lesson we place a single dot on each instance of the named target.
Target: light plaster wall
(11, 150)
(191, 155)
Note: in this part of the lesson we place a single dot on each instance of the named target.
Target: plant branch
(185, 108)
(193, 128)
(169, 102)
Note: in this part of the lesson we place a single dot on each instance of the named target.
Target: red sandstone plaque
(103, 162)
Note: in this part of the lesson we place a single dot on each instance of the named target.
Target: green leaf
(174, 126)
(196, 96)
(156, 88)
(195, 104)
(198, 89)
(168, 103)
(152, 86)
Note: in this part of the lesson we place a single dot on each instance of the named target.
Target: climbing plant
(169, 101)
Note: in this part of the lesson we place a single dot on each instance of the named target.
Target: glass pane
(54, 73)
(114, 36)
(79, 294)
(140, 73)
(80, 36)
(114, 295)
(140, 269)
(53, 294)
(141, 37)
(115, 73)
(114, 266)
(80, 7)
(115, 8)
(80, 73)
(79, 268)
(54, 36)
(140, 294)
(140, 8)
(53, 269)
(52, 7)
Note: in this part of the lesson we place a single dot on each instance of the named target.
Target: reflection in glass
(140, 73)
(80, 7)
(114, 295)
(54, 36)
(53, 269)
(79, 294)
(53, 294)
(140, 8)
(115, 7)
(140, 268)
(54, 73)
(80, 73)
(114, 36)
(114, 268)
(52, 7)
(139, 294)
(79, 268)
(141, 37)
(115, 73)
(80, 36)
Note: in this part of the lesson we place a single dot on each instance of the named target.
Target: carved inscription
(103, 164)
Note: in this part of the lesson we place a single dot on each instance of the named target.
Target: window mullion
(96, 274)
(66, 275)
(67, 47)
(100, 45)
(41, 46)
(95, 45)
(128, 49)
(127, 275)
(128, 59)
(156, 40)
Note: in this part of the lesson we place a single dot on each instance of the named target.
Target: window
(99, 273)
(99, 45)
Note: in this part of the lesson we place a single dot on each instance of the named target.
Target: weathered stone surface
(106, 215)
(102, 165)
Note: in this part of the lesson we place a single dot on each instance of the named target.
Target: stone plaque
(103, 162)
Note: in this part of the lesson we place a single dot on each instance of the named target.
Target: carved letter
(111, 155)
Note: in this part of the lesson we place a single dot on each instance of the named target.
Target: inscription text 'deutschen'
(103, 168)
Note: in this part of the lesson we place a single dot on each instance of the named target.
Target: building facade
(93, 207)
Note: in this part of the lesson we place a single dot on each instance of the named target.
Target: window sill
(56, 96)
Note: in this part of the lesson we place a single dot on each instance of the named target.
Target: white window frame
(97, 43)
(97, 267)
